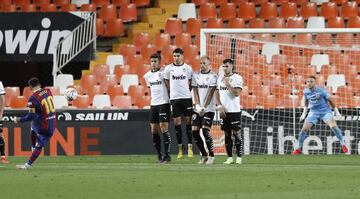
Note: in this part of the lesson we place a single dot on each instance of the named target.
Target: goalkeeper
(317, 100)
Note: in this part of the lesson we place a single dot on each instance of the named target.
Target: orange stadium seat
(247, 10)
(354, 22)
(215, 23)
(128, 12)
(276, 23)
(308, 10)
(287, 101)
(257, 23)
(127, 50)
(324, 40)
(349, 9)
(238, 2)
(299, 2)
(173, 26)
(147, 51)
(304, 39)
(8, 8)
(20, 2)
(268, 101)
(195, 63)
(11, 92)
(259, 2)
(108, 80)
(100, 29)
(329, 10)
(182, 39)
(55, 90)
(193, 26)
(108, 12)
(135, 61)
(336, 22)
(136, 91)
(227, 11)
(262, 91)
(122, 102)
(114, 90)
(27, 92)
(114, 28)
(339, 2)
(295, 22)
(191, 51)
(100, 71)
(288, 9)
(236, 23)
(88, 7)
(249, 101)
(82, 101)
(48, 8)
(279, 2)
(141, 3)
(142, 101)
(61, 2)
(218, 2)
(95, 90)
(121, 70)
(167, 54)
(18, 102)
(199, 2)
(68, 8)
(87, 81)
(28, 8)
(120, 3)
(141, 39)
(355, 102)
(41, 2)
(207, 11)
(161, 40)
(284, 38)
(142, 70)
(100, 3)
(268, 10)
(5, 2)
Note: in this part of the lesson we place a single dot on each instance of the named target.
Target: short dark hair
(230, 61)
(34, 82)
(156, 56)
(178, 50)
(312, 77)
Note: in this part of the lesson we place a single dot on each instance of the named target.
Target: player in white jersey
(204, 85)
(2, 140)
(178, 81)
(227, 98)
(160, 108)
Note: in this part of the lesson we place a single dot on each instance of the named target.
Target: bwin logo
(65, 115)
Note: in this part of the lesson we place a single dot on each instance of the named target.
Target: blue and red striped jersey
(42, 112)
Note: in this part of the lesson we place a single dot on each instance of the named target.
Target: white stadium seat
(335, 81)
(316, 22)
(113, 60)
(60, 101)
(186, 11)
(320, 60)
(128, 80)
(101, 101)
(63, 81)
(270, 49)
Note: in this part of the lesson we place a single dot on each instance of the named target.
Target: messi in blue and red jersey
(43, 119)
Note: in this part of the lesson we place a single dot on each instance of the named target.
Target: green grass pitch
(129, 177)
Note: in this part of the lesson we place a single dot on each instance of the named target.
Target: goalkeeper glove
(337, 113)
(1, 126)
(303, 115)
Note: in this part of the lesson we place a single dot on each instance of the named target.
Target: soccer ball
(71, 94)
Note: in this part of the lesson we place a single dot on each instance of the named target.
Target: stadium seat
(122, 102)
(71, 8)
(288, 101)
(141, 3)
(127, 50)
(259, 2)
(339, 2)
(107, 12)
(335, 81)
(95, 90)
(100, 71)
(269, 50)
(100, 29)
(257, 23)
(227, 11)
(161, 40)
(238, 2)
(288, 9)
(319, 2)
(108, 80)
(355, 102)
(329, 10)
(142, 70)
(193, 26)
(319, 60)
(19, 102)
(345, 92)
(147, 51)
(236, 23)
(27, 92)
(16, 2)
(55, 90)
(324, 40)
(303, 39)
(354, 22)
(142, 102)
(191, 51)
(128, 13)
(308, 10)
(136, 91)
(295, 22)
(28, 8)
(121, 70)
(79, 3)
(63, 81)
(60, 101)
(186, 11)
(100, 3)
(141, 39)
(262, 91)
(349, 9)
(284, 38)
(218, 2)
(247, 10)
(135, 61)
(199, 2)
(101, 101)
(114, 90)
(62, 2)
(114, 28)
(120, 3)
(182, 39)
(268, 102)
(336, 22)
(87, 81)
(268, 10)
(207, 11)
(276, 23)
(167, 54)
(112, 60)
(173, 26)
(41, 2)
(48, 8)
(316, 22)
(249, 102)
(214, 23)
(10, 93)
(82, 101)
(195, 63)
(128, 80)
(5, 2)
(88, 7)
(8, 8)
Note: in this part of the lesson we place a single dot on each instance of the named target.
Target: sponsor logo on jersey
(181, 77)
(203, 86)
(157, 82)
(223, 88)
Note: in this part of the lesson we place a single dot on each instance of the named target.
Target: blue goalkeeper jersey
(318, 100)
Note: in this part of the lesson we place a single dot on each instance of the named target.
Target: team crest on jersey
(207, 79)
(160, 75)
(184, 70)
(317, 96)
